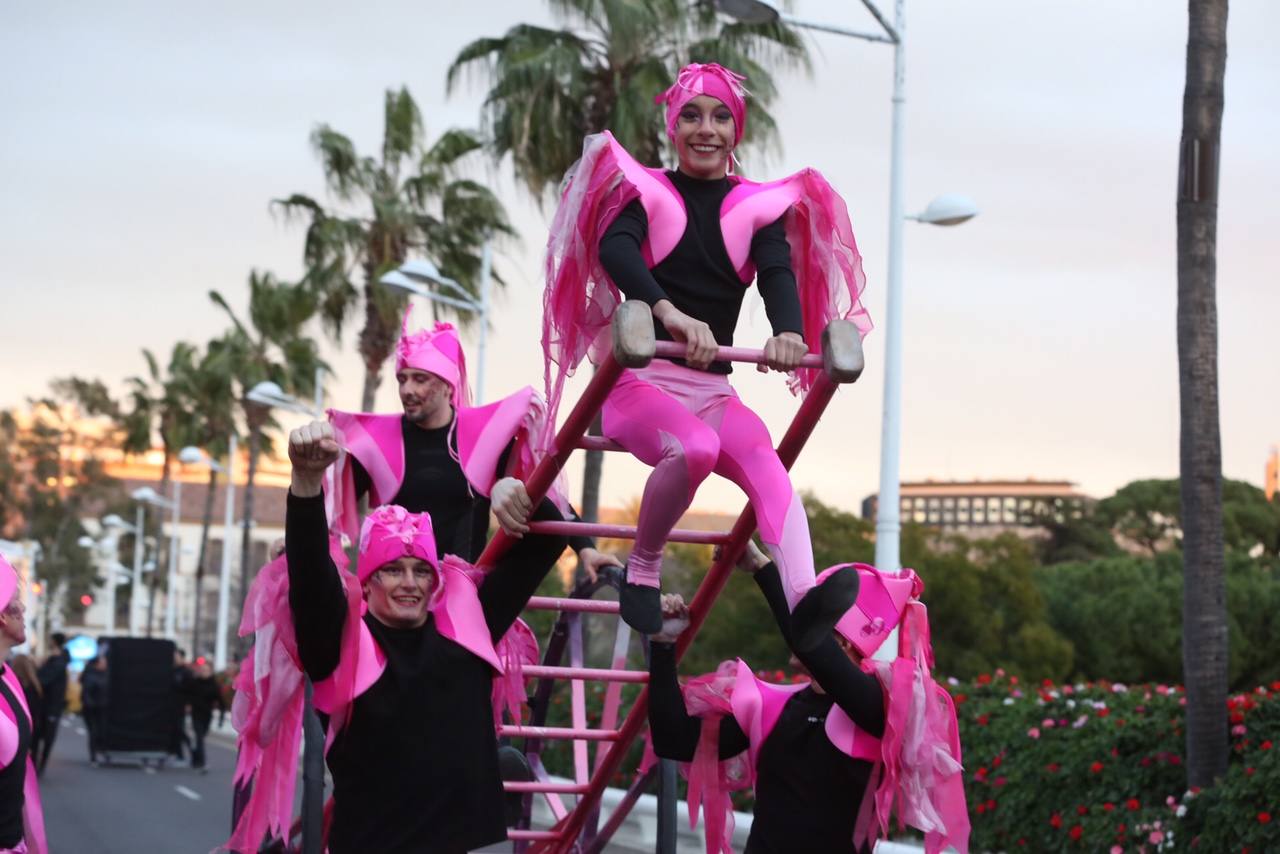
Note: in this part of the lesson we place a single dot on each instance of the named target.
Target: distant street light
(422, 278)
(150, 496)
(228, 531)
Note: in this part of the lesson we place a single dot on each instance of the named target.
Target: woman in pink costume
(688, 242)
(21, 819)
(829, 761)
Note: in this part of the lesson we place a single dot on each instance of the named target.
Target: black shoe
(513, 766)
(641, 607)
(816, 614)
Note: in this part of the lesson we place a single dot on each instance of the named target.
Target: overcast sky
(141, 143)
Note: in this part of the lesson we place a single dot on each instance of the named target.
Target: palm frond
(341, 164)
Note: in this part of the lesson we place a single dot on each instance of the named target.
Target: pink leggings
(688, 424)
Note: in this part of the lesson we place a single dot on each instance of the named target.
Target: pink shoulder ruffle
(920, 775)
(826, 263)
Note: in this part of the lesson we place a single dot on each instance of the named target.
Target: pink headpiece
(8, 582)
(882, 600)
(390, 533)
(437, 351)
(711, 79)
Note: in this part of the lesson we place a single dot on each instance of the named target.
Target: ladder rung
(591, 606)
(532, 835)
(549, 788)
(674, 350)
(597, 673)
(558, 732)
(626, 532)
(599, 443)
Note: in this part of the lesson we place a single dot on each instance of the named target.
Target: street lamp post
(950, 209)
(147, 495)
(423, 279)
(224, 572)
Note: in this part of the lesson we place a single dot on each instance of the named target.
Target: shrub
(1099, 767)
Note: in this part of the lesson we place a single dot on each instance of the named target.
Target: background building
(985, 507)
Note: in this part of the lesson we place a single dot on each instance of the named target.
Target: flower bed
(1099, 767)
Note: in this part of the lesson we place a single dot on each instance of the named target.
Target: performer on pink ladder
(688, 242)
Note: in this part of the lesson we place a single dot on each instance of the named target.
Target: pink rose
(1034, 732)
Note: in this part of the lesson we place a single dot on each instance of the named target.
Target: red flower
(1076, 832)
(1266, 745)
(1082, 810)
(1248, 772)
(1133, 805)
(1052, 767)
(991, 806)
(1013, 680)
(979, 809)
(1108, 806)
(1055, 821)
(1103, 712)
(984, 679)
(1264, 817)
(983, 719)
(1000, 781)
(1022, 840)
(1048, 683)
(1237, 717)
(959, 698)
(995, 763)
(1096, 768)
(1120, 828)
(1175, 759)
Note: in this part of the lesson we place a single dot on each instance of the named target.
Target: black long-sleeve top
(434, 483)
(203, 695)
(807, 790)
(14, 775)
(698, 277)
(415, 768)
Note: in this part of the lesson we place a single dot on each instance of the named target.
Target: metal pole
(667, 793)
(170, 600)
(224, 576)
(312, 779)
(486, 271)
(888, 508)
(111, 582)
(135, 590)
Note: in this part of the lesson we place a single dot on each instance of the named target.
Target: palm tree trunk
(246, 543)
(1204, 610)
(377, 339)
(162, 553)
(204, 545)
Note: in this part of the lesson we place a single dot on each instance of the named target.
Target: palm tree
(159, 403)
(270, 347)
(1204, 608)
(548, 88)
(408, 199)
(210, 387)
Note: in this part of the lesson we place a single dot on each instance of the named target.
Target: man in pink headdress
(402, 657)
(688, 242)
(21, 819)
(829, 760)
(443, 456)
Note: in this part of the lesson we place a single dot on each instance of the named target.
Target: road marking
(187, 793)
(80, 730)
(148, 769)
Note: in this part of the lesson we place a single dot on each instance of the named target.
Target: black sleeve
(775, 279)
(675, 731)
(856, 692)
(316, 595)
(508, 586)
(361, 477)
(578, 542)
(621, 257)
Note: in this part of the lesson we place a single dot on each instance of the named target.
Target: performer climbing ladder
(687, 242)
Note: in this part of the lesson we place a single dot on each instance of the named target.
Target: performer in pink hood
(443, 456)
(21, 819)
(689, 242)
(830, 760)
(403, 661)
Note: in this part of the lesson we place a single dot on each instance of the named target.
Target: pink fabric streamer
(270, 699)
(518, 647)
(920, 775)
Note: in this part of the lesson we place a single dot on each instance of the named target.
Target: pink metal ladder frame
(633, 347)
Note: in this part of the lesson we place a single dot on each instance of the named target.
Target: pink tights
(688, 424)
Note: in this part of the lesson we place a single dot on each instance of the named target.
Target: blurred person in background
(179, 743)
(28, 676)
(53, 686)
(203, 695)
(93, 703)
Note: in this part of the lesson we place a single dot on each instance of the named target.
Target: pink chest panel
(748, 208)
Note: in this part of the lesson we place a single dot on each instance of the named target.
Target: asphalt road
(127, 809)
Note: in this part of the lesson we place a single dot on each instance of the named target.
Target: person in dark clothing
(53, 686)
(179, 741)
(688, 243)
(21, 819)
(28, 675)
(93, 703)
(203, 695)
(417, 453)
(426, 717)
(814, 749)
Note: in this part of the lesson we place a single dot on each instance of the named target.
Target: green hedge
(1099, 767)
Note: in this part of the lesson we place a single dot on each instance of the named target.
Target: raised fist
(313, 448)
